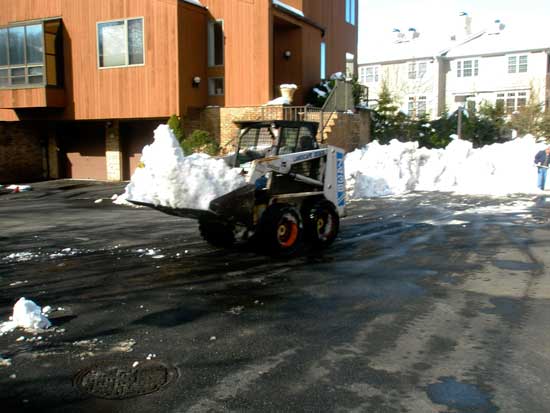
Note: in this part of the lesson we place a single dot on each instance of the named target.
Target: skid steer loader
(295, 190)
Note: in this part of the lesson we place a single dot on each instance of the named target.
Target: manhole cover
(122, 381)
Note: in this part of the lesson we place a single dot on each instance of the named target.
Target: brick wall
(349, 131)
(21, 152)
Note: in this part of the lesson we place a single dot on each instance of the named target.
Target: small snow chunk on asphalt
(26, 314)
(5, 362)
(19, 256)
(98, 201)
(167, 177)
(213, 338)
(136, 363)
(13, 376)
(46, 310)
(157, 257)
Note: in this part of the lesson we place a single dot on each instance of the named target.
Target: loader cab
(261, 139)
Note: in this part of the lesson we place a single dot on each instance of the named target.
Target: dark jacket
(541, 158)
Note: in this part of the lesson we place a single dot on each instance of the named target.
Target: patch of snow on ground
(5, 362)
(19, 256)
(26, 314)
(170, 178)
(397, 168)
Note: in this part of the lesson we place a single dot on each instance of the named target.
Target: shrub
(200, 141)
(175, 124)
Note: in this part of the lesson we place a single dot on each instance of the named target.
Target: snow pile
(26, 314)
(396, 168)
(170, 178)
(281, 100)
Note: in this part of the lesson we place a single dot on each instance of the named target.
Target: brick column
(53, 155)
(113, 154)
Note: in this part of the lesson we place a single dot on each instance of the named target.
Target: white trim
(127, 56)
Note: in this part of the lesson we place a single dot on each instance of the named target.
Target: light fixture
(196, 81)
(287, 54)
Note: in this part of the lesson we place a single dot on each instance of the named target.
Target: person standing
(542, 159)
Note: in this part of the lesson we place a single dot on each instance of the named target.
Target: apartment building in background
(83, 83)
(497, 65)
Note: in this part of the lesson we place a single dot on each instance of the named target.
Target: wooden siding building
(95, 77)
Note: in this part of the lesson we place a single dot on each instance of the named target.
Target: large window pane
(135, 42)
(35, 44)
(17, 45)
(112, 44)
(4, 77)
(3, 47)
(218, 44)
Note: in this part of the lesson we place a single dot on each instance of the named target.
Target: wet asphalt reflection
(425, 303)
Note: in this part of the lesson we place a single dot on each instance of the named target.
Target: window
(422, 69)
(350, 11)
(369, 74)
(517, 64)
(467, 68)
(512, 64)
(22, 55)
(417, 70)
(215, 43)
(421, 106)
(522, 67)
(120, 43)
(511, 102)
(323, 60)
(412, 70)
(417, 106)
(216, 86)
(350, 65)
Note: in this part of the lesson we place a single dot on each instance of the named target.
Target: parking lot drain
(122, 381)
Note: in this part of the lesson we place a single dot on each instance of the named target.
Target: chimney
(466, 23)
(397, 36)
(496, 27)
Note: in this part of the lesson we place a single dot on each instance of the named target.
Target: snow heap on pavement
(27, 315)
(167, 177)
(397, 168)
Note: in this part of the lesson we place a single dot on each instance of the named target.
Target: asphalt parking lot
(425, 303)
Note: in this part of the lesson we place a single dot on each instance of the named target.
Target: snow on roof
(407, 50)
(291, 9)
(506, 41)
(478, 44)
(195, 2)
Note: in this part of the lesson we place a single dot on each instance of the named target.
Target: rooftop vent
(398, 37)
(496, 27)
(412, 34)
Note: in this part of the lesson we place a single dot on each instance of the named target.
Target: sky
(377, 18)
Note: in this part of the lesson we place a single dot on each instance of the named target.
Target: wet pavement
(425, 303)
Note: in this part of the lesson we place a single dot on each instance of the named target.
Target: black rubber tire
(217, 233)
(321, 223)
(281, 230)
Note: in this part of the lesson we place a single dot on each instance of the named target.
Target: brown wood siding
(247, 30)
(23, 98)
(340, 36)
(32, 98)
(287, 37)
(115, 93)
(192, 41)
